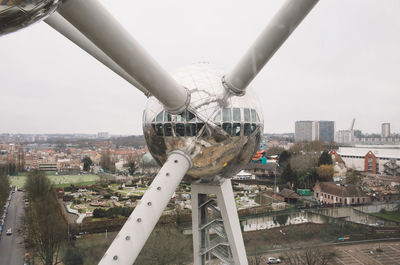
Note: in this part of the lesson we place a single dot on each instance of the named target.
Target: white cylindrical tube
(57, 22)
(273, 36)
(98, 25)
(135, 232)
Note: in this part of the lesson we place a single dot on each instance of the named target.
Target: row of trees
(112, 212)
(303, 169)
(4, 187)
(43, 226)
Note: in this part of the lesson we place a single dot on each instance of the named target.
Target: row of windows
(224, 115)
(193, 129)
(337, 199)
(362, 157)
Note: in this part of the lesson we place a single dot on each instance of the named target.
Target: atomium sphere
(17, 14)
(219, 134)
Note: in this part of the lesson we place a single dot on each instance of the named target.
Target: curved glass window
(236, 129)
(190, 117)
(168, 117)
(168, 129)
(253, 115)
(246, 114)
(199, 126)
(227, 127)
(253, 127)
(246, 129)
(180, 129)
(226, 114)
(180, 117)
(160, 116)
(236, 114)
(217, 116)
(190, 129)
(159, 129)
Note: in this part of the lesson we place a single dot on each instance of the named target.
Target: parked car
(272, 260)
(9, 232)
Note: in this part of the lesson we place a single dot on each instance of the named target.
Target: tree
(4, 187)
(43, 226)
(275, 150)
(310, 256)
(325, 172)
(106, 162)
(284, 158)
(325, 159)
(87, 162)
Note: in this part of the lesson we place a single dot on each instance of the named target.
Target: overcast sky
(342, 62)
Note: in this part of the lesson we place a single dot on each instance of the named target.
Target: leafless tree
(43, 226)
(309, 256)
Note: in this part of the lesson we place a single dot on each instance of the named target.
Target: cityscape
(97, 175)
(147, 132)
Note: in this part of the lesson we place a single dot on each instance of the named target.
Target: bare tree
(43, 226)
(309, 256)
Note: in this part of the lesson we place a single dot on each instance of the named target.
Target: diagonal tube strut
(130, 240)
(57, 22)
(273, 36)
(104, 31)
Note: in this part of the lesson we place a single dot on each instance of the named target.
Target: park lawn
(60, 180)
(393, 216)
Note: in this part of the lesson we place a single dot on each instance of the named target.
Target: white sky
(342, 62)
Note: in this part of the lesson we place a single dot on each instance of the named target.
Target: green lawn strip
(87, 183)
(393, 216)
(60, 181)
(18, 181)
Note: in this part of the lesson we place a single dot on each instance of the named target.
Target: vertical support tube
(130, 240)
(57, 22)
(273, 36)
(198, 237)
(227, 205)
(97, 24)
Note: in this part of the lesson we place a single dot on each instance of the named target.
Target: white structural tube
(133, 235)
(57, 22)
(274, 35)
(100, 27)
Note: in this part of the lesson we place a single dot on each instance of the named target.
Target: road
(11, 249)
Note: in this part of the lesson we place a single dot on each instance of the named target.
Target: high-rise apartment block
(385, 130)
(326, 131)
(314, 131)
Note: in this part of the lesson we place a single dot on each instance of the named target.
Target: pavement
(11, 247)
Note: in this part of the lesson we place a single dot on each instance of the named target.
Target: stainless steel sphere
(17, 14)
(219, 135)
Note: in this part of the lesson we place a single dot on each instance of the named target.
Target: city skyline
(325, 71)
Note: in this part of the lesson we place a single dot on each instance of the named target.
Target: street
(11, 248)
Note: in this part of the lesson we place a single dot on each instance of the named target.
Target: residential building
(314, 131)
(306, 131)
(385, 130)
(337, 193)
(326, 131)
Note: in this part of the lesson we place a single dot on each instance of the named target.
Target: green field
(61, 180)
(393, 216)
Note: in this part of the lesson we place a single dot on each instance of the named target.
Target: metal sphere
(219, 135)
(17, 14)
